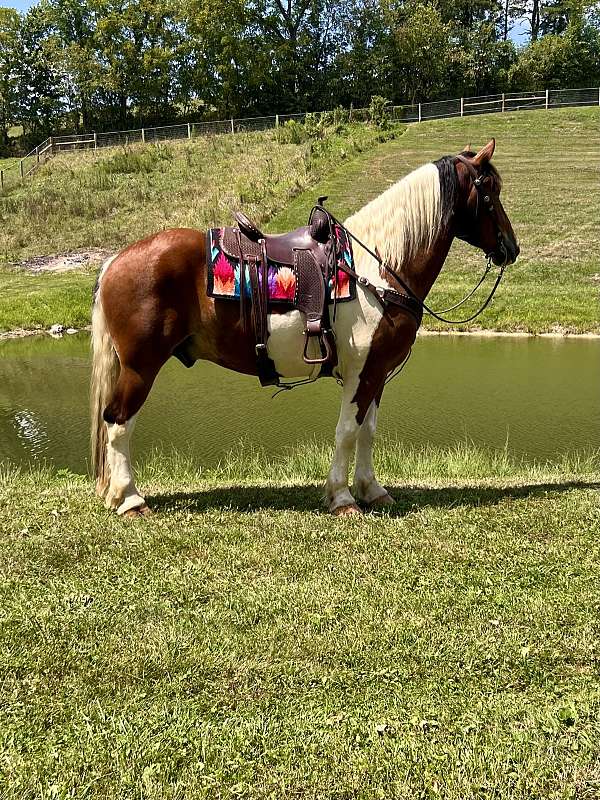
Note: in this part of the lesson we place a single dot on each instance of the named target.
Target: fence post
(21, 170)
(189, 131)
(143, 136)
(547, 97)
(1, 179)
(419, 112)
(95, 140)
(503, 102)
(51, 144)
(37, 154)
(276, 120)
(232, 127)
(462, 106)
(599, 95)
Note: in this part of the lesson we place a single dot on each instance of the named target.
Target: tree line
(100, 64)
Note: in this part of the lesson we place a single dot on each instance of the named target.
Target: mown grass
(242, 643)
(38, 301)
(5, 163)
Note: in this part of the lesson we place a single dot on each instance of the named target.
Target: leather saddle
(311, 252)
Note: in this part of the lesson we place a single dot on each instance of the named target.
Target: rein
(386, 296)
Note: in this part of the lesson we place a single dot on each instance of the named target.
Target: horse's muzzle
(507, 252)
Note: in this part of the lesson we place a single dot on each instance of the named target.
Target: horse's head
(480, 217)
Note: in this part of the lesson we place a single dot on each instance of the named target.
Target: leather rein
(411, 301)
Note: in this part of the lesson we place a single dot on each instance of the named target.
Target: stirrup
(324, 347)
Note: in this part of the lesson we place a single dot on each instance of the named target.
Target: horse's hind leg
(128, 397)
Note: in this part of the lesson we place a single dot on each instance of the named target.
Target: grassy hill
(112, 197)
(550, 162)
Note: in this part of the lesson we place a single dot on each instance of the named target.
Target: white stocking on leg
(366, 487)
(338, 493)
(122, 494)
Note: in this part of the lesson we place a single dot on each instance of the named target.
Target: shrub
(379, 111)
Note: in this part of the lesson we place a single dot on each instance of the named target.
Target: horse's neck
(421, 272)
(404, 224)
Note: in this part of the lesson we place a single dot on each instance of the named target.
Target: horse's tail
(105, 372)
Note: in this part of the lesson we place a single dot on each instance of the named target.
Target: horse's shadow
(310, 497)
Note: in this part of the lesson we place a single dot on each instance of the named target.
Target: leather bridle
(410, 300)
(484, 201)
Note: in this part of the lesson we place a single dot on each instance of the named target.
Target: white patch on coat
(365, 486)
(122, 494)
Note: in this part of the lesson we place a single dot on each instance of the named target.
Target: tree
(484, 62)
(10, 24)
(41, 87)
(72, 36)
(423, 54)
(569, 60)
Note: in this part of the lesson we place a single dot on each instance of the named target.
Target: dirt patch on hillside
(64, 262)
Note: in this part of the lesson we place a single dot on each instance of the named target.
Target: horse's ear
(486, 153)
(466, 148)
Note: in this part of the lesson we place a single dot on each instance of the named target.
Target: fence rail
(416, 112)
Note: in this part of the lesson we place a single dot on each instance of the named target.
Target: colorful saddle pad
(224, 273)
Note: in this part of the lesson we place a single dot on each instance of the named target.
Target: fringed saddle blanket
(224, 273)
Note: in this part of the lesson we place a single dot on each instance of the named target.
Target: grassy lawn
(31, 301)
(5, 163)
(106, 201)
(242, 643)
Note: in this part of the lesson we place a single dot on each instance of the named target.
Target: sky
(20, 5)
(518, 34)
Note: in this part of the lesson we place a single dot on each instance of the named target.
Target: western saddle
(311, 252)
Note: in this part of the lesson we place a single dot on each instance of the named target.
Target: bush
(129, 160)
(291, 132)
(379, 111)
(554, 62)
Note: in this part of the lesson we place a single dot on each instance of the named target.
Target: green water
(542, 396)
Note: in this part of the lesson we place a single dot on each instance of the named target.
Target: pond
(540, 396)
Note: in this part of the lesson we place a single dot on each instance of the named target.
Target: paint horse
(152, 297)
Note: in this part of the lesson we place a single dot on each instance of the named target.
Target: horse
(152, 297)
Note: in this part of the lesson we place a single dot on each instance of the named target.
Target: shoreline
(24, 333)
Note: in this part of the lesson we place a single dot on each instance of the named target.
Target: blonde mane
(403, 221)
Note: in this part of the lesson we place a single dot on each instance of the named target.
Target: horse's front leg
(366, 488)
(341, 501)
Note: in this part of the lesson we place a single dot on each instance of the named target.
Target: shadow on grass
(310, 497)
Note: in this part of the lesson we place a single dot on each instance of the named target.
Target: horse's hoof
(383, 500)
(346, 511)
(140, 511)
